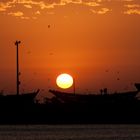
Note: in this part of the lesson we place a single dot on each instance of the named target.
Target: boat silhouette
(18, 98)
(104, 97)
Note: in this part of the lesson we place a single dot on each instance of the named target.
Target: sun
(64, 81)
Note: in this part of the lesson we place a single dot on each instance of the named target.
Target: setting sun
(64, 81)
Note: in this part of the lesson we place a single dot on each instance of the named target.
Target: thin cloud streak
(28, 6)
(101, 11)
(132, 6)
(132, 12)
(16, 14)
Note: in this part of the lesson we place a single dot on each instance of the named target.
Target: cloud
(64, 2)
(37, 13)
(132, 6)
(25, 17)
(28, 6)
(132, 11)
(101, 11)
(45, 5)
(91, 4)
(16, 14)
(4, 6)
(2, 9)
(19, 14)
(42, 5)
(36, 6)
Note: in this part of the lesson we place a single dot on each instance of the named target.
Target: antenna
(17, 75)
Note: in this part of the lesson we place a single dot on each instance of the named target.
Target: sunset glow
(97, 41)
(64, 81)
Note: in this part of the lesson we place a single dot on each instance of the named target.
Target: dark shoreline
(72, 114)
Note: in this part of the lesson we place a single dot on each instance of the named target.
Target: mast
(17, 72)
(73, 85)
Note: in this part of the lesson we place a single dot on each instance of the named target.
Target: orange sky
(96, 41)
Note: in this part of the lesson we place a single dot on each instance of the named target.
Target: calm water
(69, 132)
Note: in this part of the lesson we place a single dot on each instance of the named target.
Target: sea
(70, 132)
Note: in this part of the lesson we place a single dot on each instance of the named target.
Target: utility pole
(17, 72)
